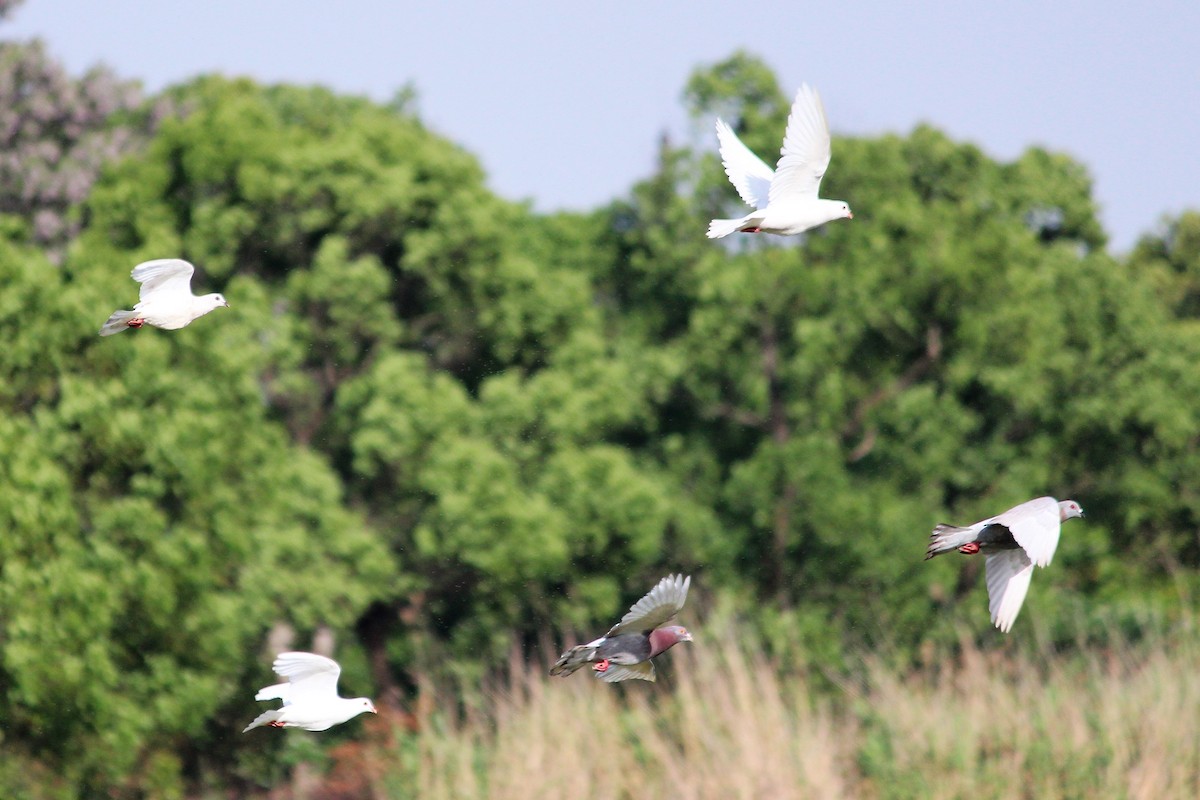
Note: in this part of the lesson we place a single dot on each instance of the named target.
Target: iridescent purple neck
(663, 639)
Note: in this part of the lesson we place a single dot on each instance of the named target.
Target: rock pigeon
(1013, 542)
(310, 698)
(166, 300)
(785, 200)
(625, 651)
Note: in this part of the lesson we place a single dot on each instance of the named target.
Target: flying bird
(310, 698)
(1013, 542)
(166, 300)
(785, 199)
(625, 651)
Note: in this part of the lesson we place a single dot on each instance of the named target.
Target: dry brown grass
(723, 723)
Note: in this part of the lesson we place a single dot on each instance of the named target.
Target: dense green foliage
(434, 421)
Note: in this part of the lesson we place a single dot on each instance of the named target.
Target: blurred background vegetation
(438, 434)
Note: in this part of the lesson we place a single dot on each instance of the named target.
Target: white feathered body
(783, 218)
(312, 716)
(172, 316)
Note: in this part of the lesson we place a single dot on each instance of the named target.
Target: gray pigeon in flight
(1013, 542)
(624, 652)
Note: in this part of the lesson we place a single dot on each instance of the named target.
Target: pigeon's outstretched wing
(659, 605)
(616, 673)
(747, 172)
(1035, 525)
(806, 150)
(1008, 574)
(310, 678)
(163, 277)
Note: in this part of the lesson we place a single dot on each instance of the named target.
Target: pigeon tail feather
(117, 322)
(265, 718)
(948, 538)
(573, 659)
(720, 228)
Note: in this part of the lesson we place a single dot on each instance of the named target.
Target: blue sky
(564, 102)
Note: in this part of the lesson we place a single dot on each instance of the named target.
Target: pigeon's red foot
(601, 666)
(136, 322)
(276, 724)
(969, 549)
(751, 230)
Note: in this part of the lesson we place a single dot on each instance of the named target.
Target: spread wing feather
(164, 276)
(806, 149)
(280, 691)
(659, 605)
(310, 677)
(616, 673)
(1008, 574)
(748, 173)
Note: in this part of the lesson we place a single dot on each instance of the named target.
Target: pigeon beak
(850, 215)
(687, 637)
(227, 304)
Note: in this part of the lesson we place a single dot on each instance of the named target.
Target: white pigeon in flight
(310, 698)
(166, 300)
(1013, 542)
(785, 199)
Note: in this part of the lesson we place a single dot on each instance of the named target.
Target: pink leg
(276, 724)
(969, 549)
(136, 322)
(751, 230)
(601, 666)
